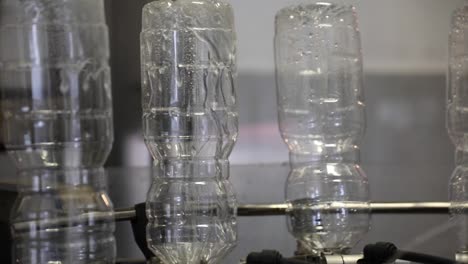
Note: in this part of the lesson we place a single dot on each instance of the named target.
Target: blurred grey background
(406, 151)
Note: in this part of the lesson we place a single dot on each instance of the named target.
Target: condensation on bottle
(55, 83)
(457, 121)
(190, 125)
(321, 116)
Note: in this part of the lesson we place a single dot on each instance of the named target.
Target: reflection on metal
(348, 259)
(375, 208)
(262, 209)
(281, 209)
(462, 257)
(410, 208)
(342, 259)
(122, 215)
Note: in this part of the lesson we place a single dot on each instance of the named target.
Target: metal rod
(262, 209)
(350, 259)
(411, 208)
(122, 215)
(281, 209)
(128, 214)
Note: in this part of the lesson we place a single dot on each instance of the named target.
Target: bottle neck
(192, 168)
(46, 180)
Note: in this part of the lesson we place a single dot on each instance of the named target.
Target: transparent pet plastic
(190, 125)
(191, 209)
(457, 121)
(321, 116)
(329, 210)
(63, 216)
(56, 115)
(55, 83)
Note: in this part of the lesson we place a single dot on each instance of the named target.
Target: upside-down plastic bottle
(322, 120)
(57, 126)
(190, 125)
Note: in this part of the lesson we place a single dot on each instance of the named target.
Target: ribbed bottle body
(191, 210)
(190, 125)
(319, 79)
(188, 77)
(63, 216)
(56, 115)
(321, 115)
(329, 206)
(55, 83)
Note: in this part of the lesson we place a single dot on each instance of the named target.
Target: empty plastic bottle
(457, 121)
(322, 120)
(190, 125)
(55, 83)
(57, 126)
(63, 216)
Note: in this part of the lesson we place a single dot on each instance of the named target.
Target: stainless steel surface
(262, 209)
(350, 259)
(339, 259)
(462, 257)
(376, 208)
(410, 208)
(122, 215)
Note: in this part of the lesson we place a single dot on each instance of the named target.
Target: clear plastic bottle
(56, 116)
(55, 83)
(457, 121)
(322, 119)
(192, 212)
(190, 125)
(63, 216)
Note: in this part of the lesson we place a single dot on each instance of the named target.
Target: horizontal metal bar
(262, 209)
(128, 214)
(375, 208)
(410, 208)
(350, 259)
(281, 209)
(122, 215)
